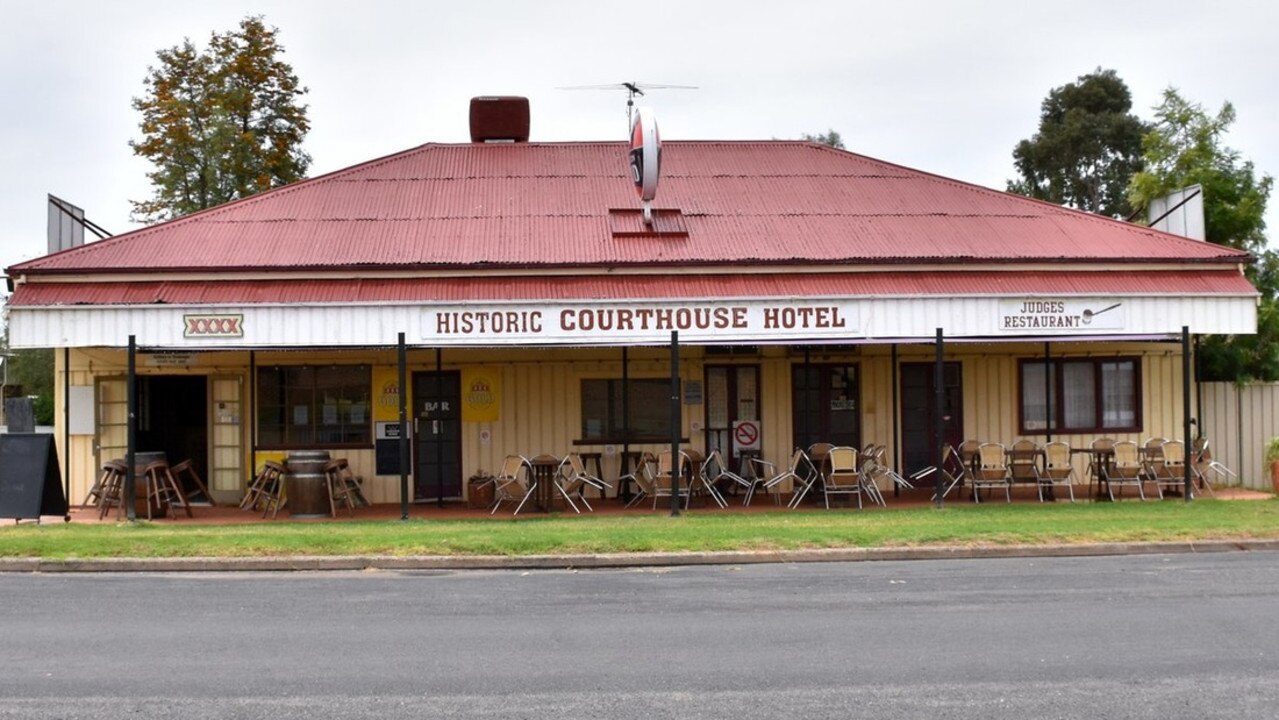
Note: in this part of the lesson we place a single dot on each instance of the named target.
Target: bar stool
(338, 489)
(185, 467)
(112, 491)
(110, 470)
(266, 489)
(162, 489)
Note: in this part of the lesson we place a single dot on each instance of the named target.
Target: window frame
(1055, 424)
(614, 435)
(314, 411)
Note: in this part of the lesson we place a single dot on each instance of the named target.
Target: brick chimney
(499, 119)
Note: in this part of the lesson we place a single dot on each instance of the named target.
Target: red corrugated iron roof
(1199, 282)
(547, 204)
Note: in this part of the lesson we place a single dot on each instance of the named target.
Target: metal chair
(800, 472)
(514, 482)
(714, 471)
(993, 471)
(662, 483)
(574, 467)
(1023, 464)
(644, 478)
(844, 477)
(1126, 468)
(1169, 470)
(1202, 462)
(1058, 469)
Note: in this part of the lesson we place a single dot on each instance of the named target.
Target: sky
(946, 87)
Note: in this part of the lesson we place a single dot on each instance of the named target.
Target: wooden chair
(186, 468)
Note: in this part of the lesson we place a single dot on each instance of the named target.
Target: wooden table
(593, 458)
(543, 469)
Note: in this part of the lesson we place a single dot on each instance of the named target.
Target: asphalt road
(1179, 636)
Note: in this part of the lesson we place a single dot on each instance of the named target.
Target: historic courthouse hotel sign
(600, 323)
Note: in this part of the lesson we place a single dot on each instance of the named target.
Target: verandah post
(402, 379)
(676, 465)
(939, 421)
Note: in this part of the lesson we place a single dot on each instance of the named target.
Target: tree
(1184, 148)
(831, 138)
(1087, 147)
(32, 372)
(220, 124)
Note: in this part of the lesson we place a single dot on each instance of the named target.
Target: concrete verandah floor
(919, 497)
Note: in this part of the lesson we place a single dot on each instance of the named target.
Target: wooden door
(437, 403)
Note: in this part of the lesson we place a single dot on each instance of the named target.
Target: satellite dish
(632, 89)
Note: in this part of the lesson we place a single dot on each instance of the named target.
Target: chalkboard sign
(387, 448)
(30, 478)
(388, 457)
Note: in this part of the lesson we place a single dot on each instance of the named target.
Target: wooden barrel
(305, 485)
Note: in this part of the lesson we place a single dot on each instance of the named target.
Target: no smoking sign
(745, 435)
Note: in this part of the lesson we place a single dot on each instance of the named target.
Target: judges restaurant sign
(1060, 315)
(607, 323)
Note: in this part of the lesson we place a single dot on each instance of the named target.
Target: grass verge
(698, 531)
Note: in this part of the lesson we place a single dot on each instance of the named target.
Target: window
(1080, 395)
(308, 405)
(649, 402)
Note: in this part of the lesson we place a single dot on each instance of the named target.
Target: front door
(173, 418)
(437, 444)
(732, 396)
(919, 413)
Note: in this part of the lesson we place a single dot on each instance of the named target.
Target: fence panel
(1238, 420)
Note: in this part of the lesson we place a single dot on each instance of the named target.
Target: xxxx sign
(196, 326)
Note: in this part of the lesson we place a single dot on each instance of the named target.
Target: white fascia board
(713, 321)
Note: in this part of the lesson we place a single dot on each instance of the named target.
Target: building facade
(808, 287)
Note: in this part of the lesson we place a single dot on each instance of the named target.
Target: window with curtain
(1080, 395)
(306, 405)
(650, 410)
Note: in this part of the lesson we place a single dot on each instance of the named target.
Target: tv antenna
(632, 89)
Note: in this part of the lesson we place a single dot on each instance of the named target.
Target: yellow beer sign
(386, 394)
(481, 395)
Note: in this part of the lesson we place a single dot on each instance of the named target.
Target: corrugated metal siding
(1239, 420)
(546, 204)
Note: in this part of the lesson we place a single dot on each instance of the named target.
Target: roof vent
(499, 118)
